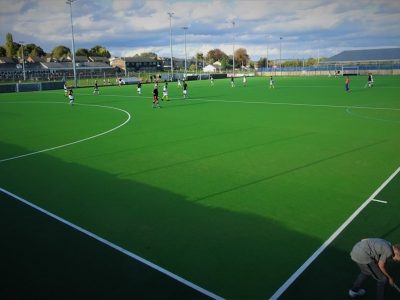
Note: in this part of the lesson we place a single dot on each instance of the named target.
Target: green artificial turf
(232, 189)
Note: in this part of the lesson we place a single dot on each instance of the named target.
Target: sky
(290, 29)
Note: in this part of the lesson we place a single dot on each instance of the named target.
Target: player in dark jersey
(185, 95)
(71, 96)
(96, 88)
(155, 97)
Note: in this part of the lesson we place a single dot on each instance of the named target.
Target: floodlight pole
(280, 53)
(233, 55)
(69, 2)
(184, 29)
(23, 60)
(170, 43)
(267, 52)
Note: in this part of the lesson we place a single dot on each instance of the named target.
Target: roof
(8, 66)
(6, 60)
(139, 59)
(367, 55)
(68, 65)
(98, 59)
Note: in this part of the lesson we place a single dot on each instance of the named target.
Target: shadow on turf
(235, 255)
(290, 170)
(322, 279)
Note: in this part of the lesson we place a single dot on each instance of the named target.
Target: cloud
(129, 26)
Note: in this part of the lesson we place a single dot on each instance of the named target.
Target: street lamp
(233, 29)
(185, 28)
(170, 43)
(69, 2)
(23, 59)
(280, 54)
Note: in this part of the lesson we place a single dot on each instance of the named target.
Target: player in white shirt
(165, 92)
(71, 97)
(271, 83)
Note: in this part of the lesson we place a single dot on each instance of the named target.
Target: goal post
(350, 70)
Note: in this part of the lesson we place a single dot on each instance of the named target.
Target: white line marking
(380, 201)
(114, 246)
(296, 104)
(260, 102)
(72, 143)
(308, 262)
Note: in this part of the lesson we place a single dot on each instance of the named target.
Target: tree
(9, 46)
(99, 51)
(216, 55)
(262, 62)
(82, 52)
(60, 51)
(34, 50)
(292, 63)
(147, 55)
(199, 58)
(35, 53)
(225, 62)
(311, 62)
(192, 68)
(241, 57)
(3, 51)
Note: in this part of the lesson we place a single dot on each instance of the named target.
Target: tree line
(13, 49)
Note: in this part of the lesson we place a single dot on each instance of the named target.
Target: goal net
(350, 70)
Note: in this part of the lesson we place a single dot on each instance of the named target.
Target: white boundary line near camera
(72, 143)
(313, 257)
(114, 246)
(86, 232)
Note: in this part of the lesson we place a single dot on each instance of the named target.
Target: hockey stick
(396, 287)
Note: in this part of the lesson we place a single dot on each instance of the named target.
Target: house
(99, 59)
(137, 64)
(209, 69)
(6, 60)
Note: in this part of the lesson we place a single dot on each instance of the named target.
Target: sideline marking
(114, 246)
(296, 104)
(380, 201)
(308, 262)
(255, 102)
(72, 143)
